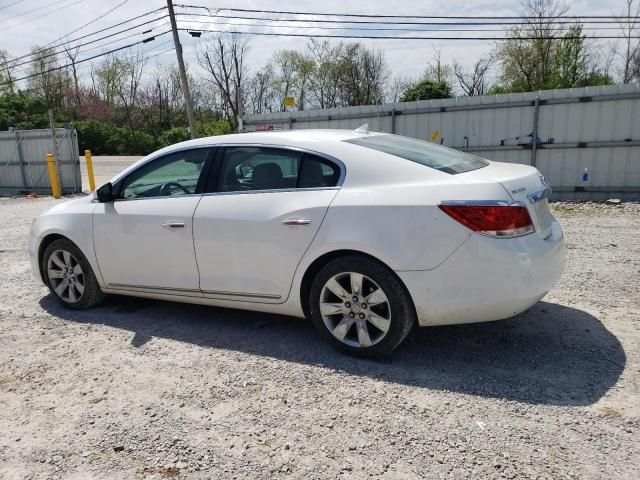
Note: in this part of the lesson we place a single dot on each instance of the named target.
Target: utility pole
(183, 73)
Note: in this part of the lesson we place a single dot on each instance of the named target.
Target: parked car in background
(366, 234)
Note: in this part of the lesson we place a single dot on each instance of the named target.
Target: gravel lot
(148, 389)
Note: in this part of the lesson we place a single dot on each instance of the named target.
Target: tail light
(495, 219)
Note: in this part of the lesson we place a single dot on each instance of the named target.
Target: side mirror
(105, 193)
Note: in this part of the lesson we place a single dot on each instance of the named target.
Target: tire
(63, 261)
(371, 331)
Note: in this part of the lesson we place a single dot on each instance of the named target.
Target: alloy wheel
(355, 309)
(66, 276)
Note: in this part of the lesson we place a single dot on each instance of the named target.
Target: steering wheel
(166, 188)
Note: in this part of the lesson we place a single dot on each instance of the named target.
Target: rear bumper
(488, 279)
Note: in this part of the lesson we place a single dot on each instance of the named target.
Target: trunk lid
(524, 184)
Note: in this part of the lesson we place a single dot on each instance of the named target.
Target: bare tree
(6, 69)
(325, 80)
(285, 63)
(630, 50)
(127, 88)
(107, 78)
(261, 95)
(72, 51)
(395, 87)
(160, 100)
(363, 75)
(437, 70)
(49, 80)
(475, 82)
(223, 59)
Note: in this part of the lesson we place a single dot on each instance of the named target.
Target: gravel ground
(146, 389)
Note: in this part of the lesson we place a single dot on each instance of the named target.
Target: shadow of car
(552, 354)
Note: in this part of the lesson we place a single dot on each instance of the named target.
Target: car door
(144, 239)
(260, 211)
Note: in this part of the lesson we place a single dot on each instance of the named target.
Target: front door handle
(173, 225)
(295, 222)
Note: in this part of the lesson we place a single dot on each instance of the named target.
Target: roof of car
(281, 137)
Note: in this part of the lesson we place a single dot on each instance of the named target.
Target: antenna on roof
(362, 128)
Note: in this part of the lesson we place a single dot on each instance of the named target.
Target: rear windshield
(435, 156)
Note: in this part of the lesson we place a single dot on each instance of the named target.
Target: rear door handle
(296, 222)
(173, 225)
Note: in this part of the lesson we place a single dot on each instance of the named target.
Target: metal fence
(593, 128)
(23, 161)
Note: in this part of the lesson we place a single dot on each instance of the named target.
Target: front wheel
(69, 276)
(361, 307)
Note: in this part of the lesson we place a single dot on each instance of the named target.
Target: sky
(27, 23)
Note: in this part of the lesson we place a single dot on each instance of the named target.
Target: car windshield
(435, 156)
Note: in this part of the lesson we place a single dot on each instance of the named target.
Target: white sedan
(366, 234)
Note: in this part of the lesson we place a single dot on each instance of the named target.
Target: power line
(55, 52)
(43, 15)
(100, 17)
(362, 15)
(33, 9)
(91, 34)
(380, 37)
(380, 22)
(66, 65)
(147, 57)
(87, 73)
(31, 19)
(369, 28)
(11, 4)
(97, 47)
(44, 47)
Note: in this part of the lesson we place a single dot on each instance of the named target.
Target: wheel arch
(44, 243)
(315, 267)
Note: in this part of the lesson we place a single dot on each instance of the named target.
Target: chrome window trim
(122, 175)
(274, 190)
(324, 156)
(158, 197)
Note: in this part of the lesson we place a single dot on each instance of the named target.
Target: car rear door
(144, 239)
(260, 211)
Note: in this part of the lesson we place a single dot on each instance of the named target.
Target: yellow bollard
(53, 177)
(92, 180)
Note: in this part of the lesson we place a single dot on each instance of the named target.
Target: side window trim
(212, 149)
(212, 185)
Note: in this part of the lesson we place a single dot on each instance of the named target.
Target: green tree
(426, 89)
(540, 55)
(22, 111)
(573, 62)
(49, 81)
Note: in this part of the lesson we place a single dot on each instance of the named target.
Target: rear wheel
(361, 307)
(69, 276)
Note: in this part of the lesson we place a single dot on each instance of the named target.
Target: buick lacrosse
(366, 234)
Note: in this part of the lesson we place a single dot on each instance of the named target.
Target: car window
(438, 157)
(258, 168)
(317, 172)
(265, 168)
(172, 175)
